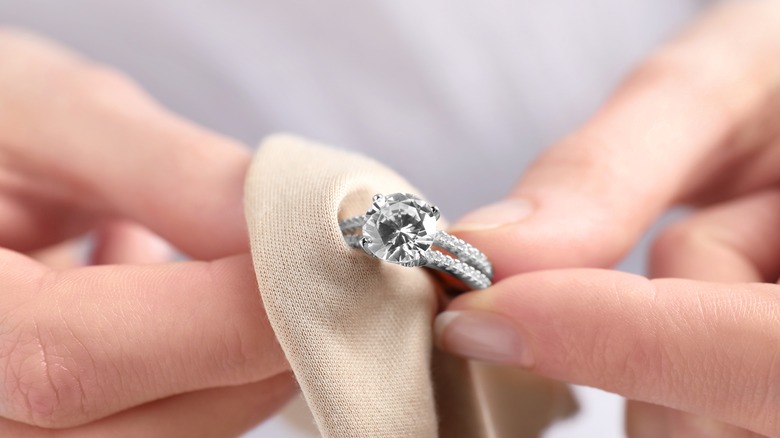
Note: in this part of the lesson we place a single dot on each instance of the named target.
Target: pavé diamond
(399, 228)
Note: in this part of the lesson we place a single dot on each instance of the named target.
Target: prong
(436, 211)
(422, 260)
(378, 199)
(365, 241)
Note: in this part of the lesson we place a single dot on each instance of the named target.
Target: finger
(118, 242)
(126, 156)
(705, 348)
(33, 222)
(81, 344)
(667, 133)
(65, 255)
(217, 412)
(115, 242)
(647, 420)
(738, 241)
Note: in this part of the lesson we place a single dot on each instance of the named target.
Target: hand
(697, 124)
(138, 345)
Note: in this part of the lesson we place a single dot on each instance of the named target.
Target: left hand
(135, 345)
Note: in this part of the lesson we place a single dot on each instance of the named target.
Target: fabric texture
(357, 331)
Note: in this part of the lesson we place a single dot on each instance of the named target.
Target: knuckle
(100, 81)
(247, 355)
(618, 351)
(94, 89)
(246, 349)
(7, 34)
(629, 359)
(58, 77)
(683, 237)
(675, 66)
(102, 93)
(672, 69)
(237, 355)
(59, 86)
(11, 36)
(764, 413)
(47, 379)
(659, 66)
(719, 80)
(667, 241)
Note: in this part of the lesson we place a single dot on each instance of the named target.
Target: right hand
(697, 354)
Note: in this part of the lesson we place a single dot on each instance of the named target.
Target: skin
(136, 345)
(696, 347)
(133, 344)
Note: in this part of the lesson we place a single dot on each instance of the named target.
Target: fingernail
(483, 336)
(496, 215)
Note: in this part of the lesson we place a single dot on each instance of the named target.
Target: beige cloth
(356, 331)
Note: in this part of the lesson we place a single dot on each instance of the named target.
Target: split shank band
(401, 228)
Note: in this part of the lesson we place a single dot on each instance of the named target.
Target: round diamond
(399, 228)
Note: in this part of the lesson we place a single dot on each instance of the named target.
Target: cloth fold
(356, 331)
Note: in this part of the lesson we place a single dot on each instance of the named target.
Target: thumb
(706, 348)
(660, 139)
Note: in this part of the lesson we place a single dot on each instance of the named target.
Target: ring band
(400, 228)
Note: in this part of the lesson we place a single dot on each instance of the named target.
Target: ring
(401, 228)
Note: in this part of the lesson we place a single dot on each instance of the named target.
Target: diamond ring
(401, 228)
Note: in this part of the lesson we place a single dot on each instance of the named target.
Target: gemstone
(399, 228)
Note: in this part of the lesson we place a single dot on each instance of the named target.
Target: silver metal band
(464, 251)
(469, 264)
(473, 277)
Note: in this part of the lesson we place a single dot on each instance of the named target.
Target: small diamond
(399, 228)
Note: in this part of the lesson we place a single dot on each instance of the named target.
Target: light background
(437, 89)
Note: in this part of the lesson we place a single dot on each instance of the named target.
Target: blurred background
(435, 89)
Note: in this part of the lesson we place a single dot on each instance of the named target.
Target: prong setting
(422, 260)
(401, 228)
(400, 225)
(378, 200)
(416, 260)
